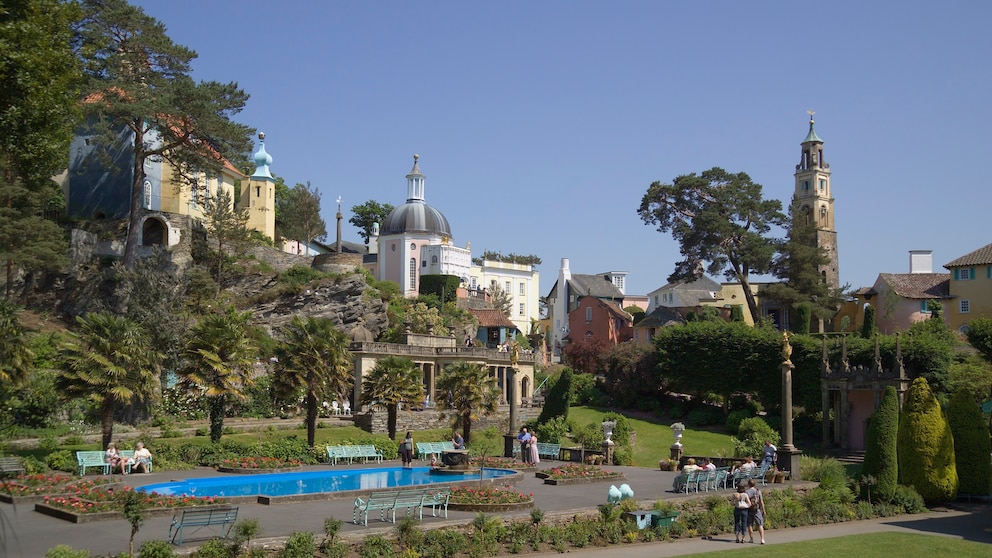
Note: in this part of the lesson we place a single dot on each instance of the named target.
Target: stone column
(510, 438)
(788, 454)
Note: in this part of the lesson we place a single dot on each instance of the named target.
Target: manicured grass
(654, 437)
(870, 544)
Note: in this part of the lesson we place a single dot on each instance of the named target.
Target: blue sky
(540, 125)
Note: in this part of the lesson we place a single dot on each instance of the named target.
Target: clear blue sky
(540, 125)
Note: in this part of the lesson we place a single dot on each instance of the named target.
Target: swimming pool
(312, 482)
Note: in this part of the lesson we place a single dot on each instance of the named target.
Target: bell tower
(814, 196)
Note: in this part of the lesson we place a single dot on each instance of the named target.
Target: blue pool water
(311, 482)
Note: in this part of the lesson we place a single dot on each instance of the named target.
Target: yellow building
(970, 288)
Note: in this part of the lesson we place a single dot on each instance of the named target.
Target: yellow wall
(177, 198)
(977, 291)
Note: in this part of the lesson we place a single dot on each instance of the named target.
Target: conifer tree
(926, 446)
(139, 83)
(559, 398)
(971, 444)
(881, 460)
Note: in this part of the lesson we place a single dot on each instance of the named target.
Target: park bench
(381, 501)
(546, 450)
(387, 503)
(127, 456)
(87, 459)
(437, 500)
(685, 481)
(426, 449)
(11, 466)
(351, 453)
(198, 518)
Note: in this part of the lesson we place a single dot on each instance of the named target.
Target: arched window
(413, 274)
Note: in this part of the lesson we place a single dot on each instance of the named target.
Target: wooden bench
(11, 466)
(87, 459)
(202, 518)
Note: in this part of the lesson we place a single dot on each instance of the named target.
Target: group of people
(749, 512)
(528, 447)
(406, 448)
(139, 462)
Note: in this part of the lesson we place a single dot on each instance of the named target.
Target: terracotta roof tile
(982, 256)
(492, 318)
(918, 285)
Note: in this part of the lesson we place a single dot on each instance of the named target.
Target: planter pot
(492, 508)
(779, 477)
(582, 480)
(541, 475)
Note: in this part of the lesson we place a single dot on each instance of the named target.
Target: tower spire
(814, 196)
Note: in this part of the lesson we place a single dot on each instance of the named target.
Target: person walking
(741, 506)
(406, 450)
(534, 457)
(756, 513)
(768, 455)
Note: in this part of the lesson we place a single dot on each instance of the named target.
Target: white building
(521, 281)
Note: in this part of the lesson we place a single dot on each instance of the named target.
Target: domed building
(415, 240)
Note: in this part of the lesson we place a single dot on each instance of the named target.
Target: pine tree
(971, 444)
(926, 446)
(139, 83)
(881, 460)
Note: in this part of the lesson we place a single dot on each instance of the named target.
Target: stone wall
(337, 263)
(375, 421)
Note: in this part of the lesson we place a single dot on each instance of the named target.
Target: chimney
(921, 261)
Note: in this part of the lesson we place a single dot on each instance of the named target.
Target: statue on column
(786, 348)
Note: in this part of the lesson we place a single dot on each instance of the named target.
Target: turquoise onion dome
(262, 160)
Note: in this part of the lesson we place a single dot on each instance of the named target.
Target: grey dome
(416, 217)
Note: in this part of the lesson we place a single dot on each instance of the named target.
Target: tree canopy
(797, 264)
(491, 256)
(368, 214)
(721, 222)
(300, 216)
(138, 81)
(38, 110)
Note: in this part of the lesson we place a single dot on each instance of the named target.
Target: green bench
(127, 457)
(197, 519)
(11, 466)
(544, 449)
(87, 459)
(351, 453)
(425, 449)
(386, 503)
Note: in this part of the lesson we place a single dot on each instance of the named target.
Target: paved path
(29, 534)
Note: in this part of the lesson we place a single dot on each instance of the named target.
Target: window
(523, 289)
(424, 263)
(924, 306)
(433, 259)
(507, 289)
(806, 185)
(964, 306)
(656, 300)
(413, 274)
(964, 329)
(823, 184)
(964, 274)
(588, 314)
(522, 312)
(146, 188)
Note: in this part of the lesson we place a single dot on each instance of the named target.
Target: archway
(153, 232)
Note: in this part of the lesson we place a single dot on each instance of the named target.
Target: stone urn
(677, 429)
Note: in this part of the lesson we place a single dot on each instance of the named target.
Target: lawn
(654, 437)
(871, 544)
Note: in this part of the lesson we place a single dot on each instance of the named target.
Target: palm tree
(315, 357)
(465, 387)
(110, 361)
(392, 381)
(220, 359)
(15, 357)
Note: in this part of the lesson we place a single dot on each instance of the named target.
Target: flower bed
(99, 505)
(488, 499)
(258, 465)
(33, 488)
(575, 473)
(496, 462)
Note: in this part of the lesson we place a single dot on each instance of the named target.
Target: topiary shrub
(881, 460)
(868, 326)
(926, 446)
(558, 399)
(971, 444)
